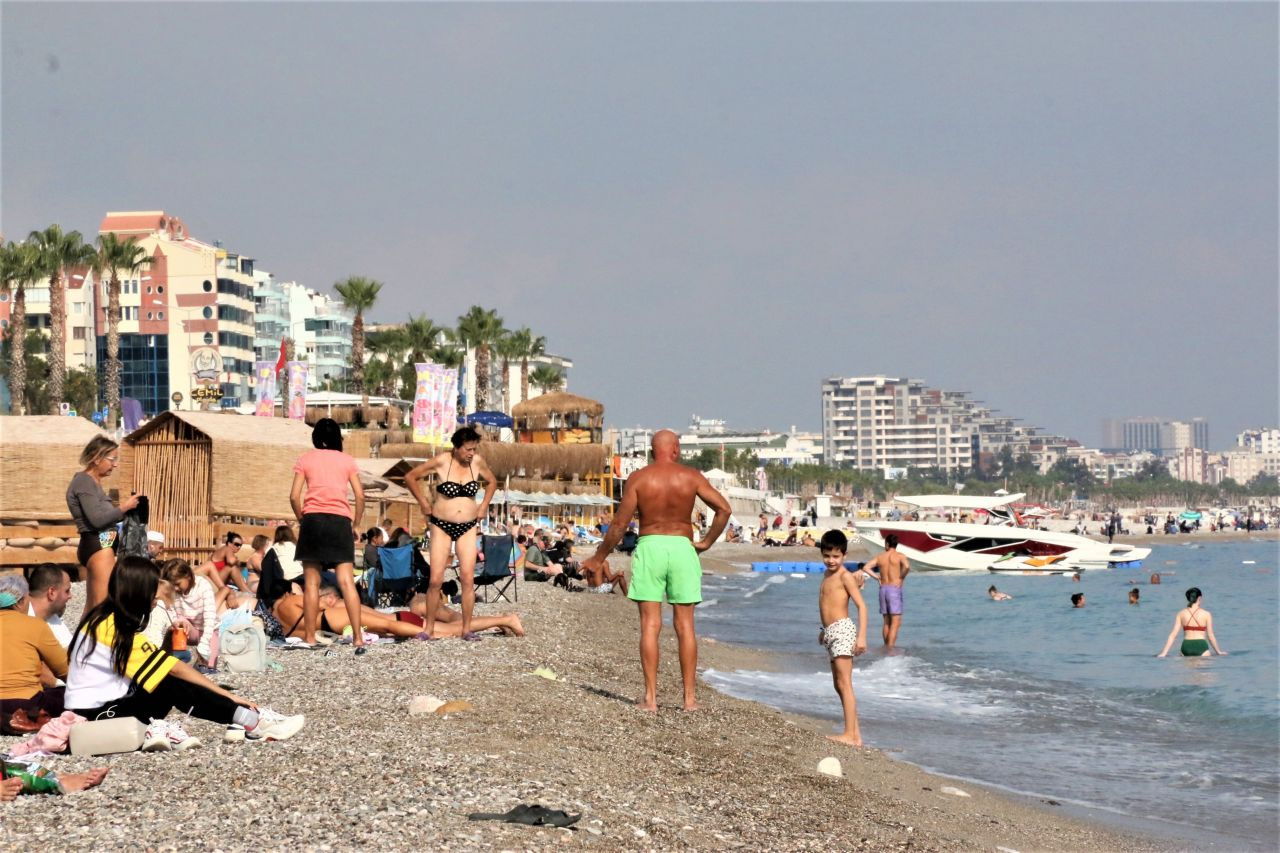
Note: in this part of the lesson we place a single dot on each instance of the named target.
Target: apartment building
(880, 422)
(186, 330)
(1157, 435)
(319, 325)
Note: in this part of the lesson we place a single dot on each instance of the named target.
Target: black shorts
(92, 543)
(326, 539)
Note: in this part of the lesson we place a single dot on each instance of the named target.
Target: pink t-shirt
(327, 473)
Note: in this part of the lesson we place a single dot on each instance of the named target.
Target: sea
(1035, 697)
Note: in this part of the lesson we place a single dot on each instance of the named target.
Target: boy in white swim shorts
(843, 639)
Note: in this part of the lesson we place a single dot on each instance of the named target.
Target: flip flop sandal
(361, 650)
(530, 815)
(425, 637)
(471, 637)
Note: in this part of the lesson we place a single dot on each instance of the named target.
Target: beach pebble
(420, 705)
(830, 766)
(953, 791)
(457, 706)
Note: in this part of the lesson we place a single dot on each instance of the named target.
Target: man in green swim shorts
(665, 565)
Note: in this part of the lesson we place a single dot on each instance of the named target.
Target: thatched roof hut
(559, 410)
(244, 463)
(39, 454)
(558, 468)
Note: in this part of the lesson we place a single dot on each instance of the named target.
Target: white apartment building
(880, 422)
(319, 325)
(1264, 440)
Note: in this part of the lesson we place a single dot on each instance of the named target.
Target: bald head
(666, 445)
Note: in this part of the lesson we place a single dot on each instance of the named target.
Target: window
(159, 315)
(151, 315)
(4, 297)
(159, 288)
(77, 333)
(208, 286)
(208, 338)
(207, 313)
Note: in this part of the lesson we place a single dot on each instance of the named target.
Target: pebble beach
(364, 773)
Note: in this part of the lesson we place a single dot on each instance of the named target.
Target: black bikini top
(450, 489)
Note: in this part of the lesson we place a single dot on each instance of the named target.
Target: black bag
(133, 531)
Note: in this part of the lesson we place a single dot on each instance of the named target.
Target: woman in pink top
(327, 533)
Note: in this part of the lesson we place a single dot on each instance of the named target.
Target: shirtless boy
(890, 568)
(842, 638)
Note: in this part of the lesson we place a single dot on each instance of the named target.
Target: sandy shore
(366, 774)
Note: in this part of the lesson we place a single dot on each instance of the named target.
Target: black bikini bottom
(455, 529)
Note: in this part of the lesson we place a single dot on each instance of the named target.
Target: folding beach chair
(392, 583)
(497, 571)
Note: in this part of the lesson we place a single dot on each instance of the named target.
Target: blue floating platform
(808, 568)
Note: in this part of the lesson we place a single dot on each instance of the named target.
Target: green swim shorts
(1194, 648)
(666, 565)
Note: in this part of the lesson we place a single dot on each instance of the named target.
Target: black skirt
(327, 539)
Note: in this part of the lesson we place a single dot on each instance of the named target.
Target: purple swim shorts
(891, 599)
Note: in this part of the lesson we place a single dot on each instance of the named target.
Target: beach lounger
(496, 571)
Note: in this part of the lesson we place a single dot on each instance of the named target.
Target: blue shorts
(890, 599)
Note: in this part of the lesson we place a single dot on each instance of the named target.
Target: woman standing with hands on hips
(327, 527)
(96, 517)
(1196, 625)
(454, 514)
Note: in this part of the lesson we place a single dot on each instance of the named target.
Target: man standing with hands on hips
(666, 557)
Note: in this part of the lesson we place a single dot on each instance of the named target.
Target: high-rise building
(877, 422)
(1157, 435)
(319, 325)
(187, 325)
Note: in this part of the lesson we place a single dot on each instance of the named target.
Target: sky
(1069, 210)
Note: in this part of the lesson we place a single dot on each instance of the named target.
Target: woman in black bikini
(455, 514)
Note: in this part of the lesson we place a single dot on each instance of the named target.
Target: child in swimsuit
(843, 639)
(1193, 620)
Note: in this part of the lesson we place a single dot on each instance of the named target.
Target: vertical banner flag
(297, 402)
(422, 405)
(448, 403)
(434, 392)
(265, 374)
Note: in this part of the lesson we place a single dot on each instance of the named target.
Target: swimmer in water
(997, 595)
(1196, 623)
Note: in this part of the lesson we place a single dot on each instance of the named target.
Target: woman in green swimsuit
(1196, 623)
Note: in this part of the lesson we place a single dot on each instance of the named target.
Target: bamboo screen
(173, 467)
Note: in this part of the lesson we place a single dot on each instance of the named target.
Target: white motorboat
(957, 546)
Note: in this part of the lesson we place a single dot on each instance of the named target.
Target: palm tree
(22, 266)
(547, 378)
(480, 328)
(510, 346)
(62, 250)
(359, 294)
(531, 346)
(116, 255)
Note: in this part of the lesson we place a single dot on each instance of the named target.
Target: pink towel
(52, 738)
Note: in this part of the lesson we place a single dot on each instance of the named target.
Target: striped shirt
(92, 680)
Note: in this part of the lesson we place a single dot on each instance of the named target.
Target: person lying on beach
(72, 783)
(334, 619)
(843, 639)
(997, 595)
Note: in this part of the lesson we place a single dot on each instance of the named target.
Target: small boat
(1024, 564)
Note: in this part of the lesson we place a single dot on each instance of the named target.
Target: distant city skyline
(1068, 210)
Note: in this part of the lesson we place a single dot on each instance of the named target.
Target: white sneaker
(274, 726)
(163, 735)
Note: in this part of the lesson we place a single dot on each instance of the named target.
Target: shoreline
(364, 773)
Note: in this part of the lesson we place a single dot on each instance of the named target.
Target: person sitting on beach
(601, 579)
(334, 618)
(843, 639)
(251, 571)
(790, 541)
(1077, 599)
(808, 540)
(537, 567)
(374, 539)
(49, 591)
(1196, 623)
(1133, 596)
(155, 545)
(31, 661)
(997, 595)
(285, 549)
(115, 671)
(222, 568)
(196, 602)
(165, 628)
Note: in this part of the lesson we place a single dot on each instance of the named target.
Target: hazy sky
(1070, 210)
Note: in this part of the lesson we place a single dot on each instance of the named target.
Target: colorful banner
(422, 405)
(435, 402)
(297, 400)
(265, 376)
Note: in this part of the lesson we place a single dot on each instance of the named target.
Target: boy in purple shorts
(890, 569)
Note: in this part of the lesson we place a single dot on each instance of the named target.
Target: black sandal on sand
(534, 815)
(471, 637)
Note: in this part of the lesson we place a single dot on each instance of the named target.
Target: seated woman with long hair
(116, 671)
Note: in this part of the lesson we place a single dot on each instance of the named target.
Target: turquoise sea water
(1034, 696)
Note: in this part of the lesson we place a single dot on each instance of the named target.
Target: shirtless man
(890, 569)
(334, 618)
(666, 558)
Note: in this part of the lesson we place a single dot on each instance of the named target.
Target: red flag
(282, 360)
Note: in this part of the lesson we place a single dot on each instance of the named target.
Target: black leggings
(172, 692)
